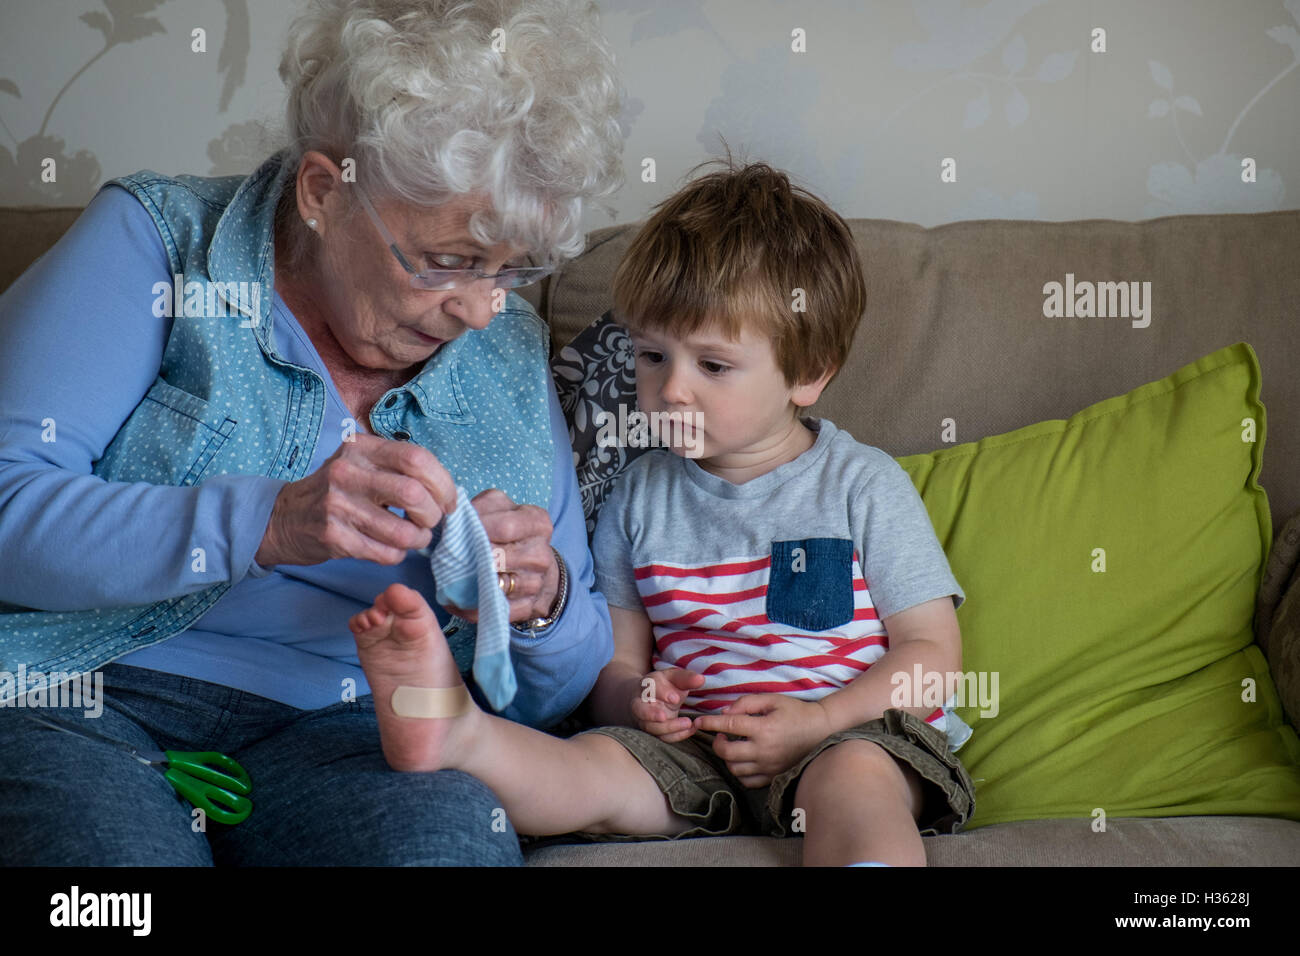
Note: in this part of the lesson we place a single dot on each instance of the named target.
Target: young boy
(769, 589)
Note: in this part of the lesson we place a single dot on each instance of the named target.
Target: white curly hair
(432, 105)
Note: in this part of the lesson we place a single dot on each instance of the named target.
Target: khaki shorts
(697, 784)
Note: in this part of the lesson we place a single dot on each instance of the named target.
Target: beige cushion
(1283, 650)
(1176, 841)
(1281, 572)
(954, 327)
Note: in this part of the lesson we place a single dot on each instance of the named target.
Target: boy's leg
(547, 785)
(860, 805)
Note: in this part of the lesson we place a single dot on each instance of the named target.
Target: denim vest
(480, 404)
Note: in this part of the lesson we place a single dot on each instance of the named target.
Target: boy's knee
(860, 764)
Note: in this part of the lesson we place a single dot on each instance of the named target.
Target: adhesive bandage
(431, 701)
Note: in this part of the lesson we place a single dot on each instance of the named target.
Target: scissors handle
(213, 782)
(212, 767)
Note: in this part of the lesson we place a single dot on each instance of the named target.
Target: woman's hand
(521, 541)
(341, 511)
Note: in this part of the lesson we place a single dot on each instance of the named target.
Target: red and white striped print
(712, 619)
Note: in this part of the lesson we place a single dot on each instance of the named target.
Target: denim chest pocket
(811, 583)
(171, 438)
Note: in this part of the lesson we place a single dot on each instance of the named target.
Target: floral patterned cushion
(596, 372)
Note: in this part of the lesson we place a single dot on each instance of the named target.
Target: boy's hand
(655, 708)
(780, 730)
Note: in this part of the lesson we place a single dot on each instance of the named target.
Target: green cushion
(1120, 689)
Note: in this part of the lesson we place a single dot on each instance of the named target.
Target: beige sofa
(954, 328)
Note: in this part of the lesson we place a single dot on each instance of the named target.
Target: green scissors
(213, 782)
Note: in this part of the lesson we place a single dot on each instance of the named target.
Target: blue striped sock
(465, 574)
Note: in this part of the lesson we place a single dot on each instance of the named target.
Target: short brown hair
(732, 247)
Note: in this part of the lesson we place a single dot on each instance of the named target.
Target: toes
(401, 600)
(370, 626)
(372, 619)
(412, 616)
(399, 613)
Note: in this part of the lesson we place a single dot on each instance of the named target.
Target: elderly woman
(234, 411)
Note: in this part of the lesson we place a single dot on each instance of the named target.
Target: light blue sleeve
(558, 668)
(904, 563)
(615, 573)
(79, 348)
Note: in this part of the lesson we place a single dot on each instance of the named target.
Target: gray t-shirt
(778, 585)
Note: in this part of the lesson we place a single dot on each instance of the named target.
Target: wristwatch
(533, 625)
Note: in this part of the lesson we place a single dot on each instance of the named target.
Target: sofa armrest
(1284, 652)
(1277, 617)
(1280, 572)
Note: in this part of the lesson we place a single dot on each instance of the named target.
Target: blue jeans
(322, 793)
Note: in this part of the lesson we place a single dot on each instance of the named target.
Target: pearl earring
(312, 224)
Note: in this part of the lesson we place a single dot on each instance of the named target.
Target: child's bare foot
(400, 644)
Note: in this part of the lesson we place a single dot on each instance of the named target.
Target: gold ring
(511, 577)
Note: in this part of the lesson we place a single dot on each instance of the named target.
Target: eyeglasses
(439, 280)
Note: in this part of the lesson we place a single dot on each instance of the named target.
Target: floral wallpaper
(926, 111)
(78, 175)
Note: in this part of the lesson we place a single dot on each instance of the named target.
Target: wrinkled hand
(521, 541)
(659, 715)
(341, 509)
(779, 731)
